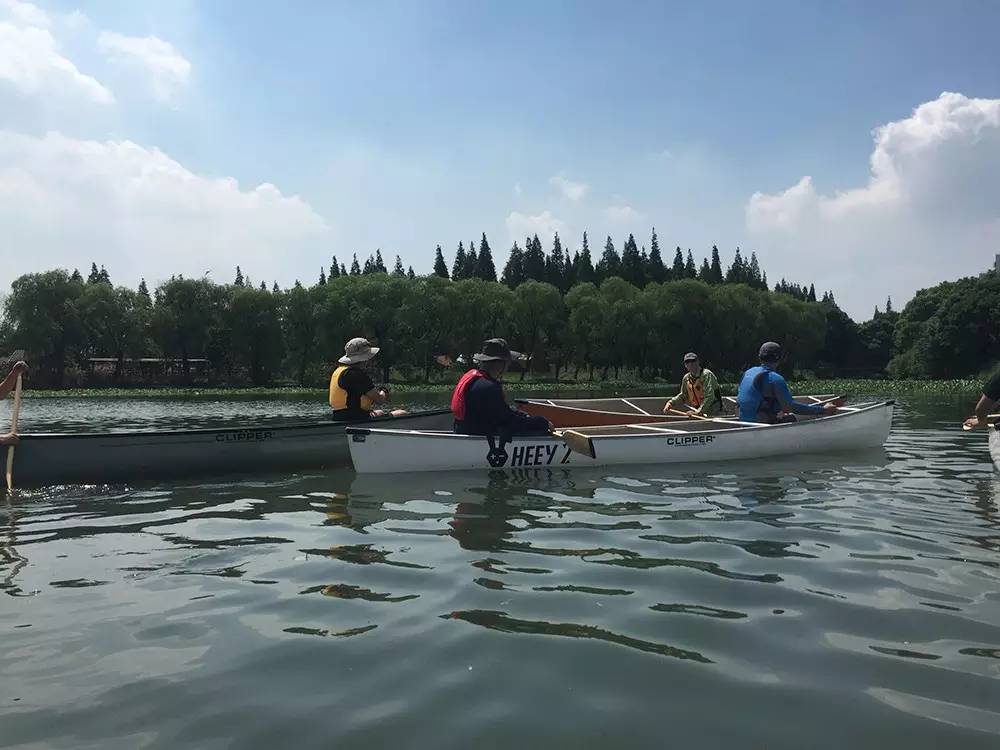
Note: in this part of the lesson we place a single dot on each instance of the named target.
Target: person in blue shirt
(763, 395)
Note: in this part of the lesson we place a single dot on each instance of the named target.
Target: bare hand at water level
(9, 439)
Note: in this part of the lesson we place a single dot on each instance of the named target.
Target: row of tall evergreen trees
(531, 263)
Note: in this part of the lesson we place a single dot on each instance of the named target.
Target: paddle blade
(577, 442)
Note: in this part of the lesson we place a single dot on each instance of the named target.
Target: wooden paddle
(576, 442)
(15, 414)
(991, 419)
(689, 414)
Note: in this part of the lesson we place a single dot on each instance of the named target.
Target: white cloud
(544, 225)
(30, 60)
(67, 202)
(622, 214)
(574, 191)
(168, 71)
(25, 14)
(928, 212)
(517, 189)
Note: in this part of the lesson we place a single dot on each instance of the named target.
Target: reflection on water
(643, 607)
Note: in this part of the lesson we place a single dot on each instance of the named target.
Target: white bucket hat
(358, 350)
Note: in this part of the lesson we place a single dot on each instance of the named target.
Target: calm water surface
(812, 602)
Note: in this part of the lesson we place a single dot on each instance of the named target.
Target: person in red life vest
(478, 401)
(353, 395)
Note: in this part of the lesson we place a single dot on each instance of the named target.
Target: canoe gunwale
(195, 431)
(744, 426)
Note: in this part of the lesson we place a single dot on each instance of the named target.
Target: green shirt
(712, 404)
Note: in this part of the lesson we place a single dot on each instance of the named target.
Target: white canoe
(691, 441)
(994, 444)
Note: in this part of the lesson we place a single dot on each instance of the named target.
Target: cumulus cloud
(67, 202)
(167, 70)
(571, 190)
(544, 225)
(622, 214)
(31, 61)
(928, 212)
(25, 14)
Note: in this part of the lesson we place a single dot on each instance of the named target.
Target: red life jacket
(458, 395)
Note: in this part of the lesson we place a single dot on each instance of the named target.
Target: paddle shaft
(689, 414)
(15, 415)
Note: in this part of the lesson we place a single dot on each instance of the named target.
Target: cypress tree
(238, 281)
(583, 270)
(555, 265)
(753, 273)
(379, 266)
(631, 267)
(888, 302)
(534, 260)
(690, 271)
(715, 275)
(513, 272)
(705, 272)
(654, 268)
(610, 263)
(343, 270)
(398, 268)
(677, 272)
(811, 296)
(409, 273)
(572, 266)
(322, 277)
(143, 289)
(76, 275)
(471, 259)
(355, 268)
(103, 276)
(275, 289)
(737, 273)
(440, 267)
(485, 268)
(763, 283)
(263, 286)
(95, 275)
(458, 268)
(334, 268)
(369, 266)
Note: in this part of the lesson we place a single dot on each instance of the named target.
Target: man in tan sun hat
(353, 394)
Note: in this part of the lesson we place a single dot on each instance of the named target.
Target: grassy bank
(516, 387)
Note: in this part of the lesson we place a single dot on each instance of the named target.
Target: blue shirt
(763, 393)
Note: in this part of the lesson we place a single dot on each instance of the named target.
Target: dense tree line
(627, 312)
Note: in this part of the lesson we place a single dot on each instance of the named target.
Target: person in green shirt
(700, 391)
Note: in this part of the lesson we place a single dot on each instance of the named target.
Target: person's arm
(681, 396)
(506, 417)
(711, 386)
(989, 399)
(8, 383)
(784, 396)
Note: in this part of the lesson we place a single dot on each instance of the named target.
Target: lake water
(817, 602)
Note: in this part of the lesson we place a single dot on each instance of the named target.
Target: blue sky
(404, 125)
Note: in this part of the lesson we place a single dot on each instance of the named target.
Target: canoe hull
(995, 445)
(45, 459)
(387, 451)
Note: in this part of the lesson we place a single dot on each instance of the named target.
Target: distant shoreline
(514, 387)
